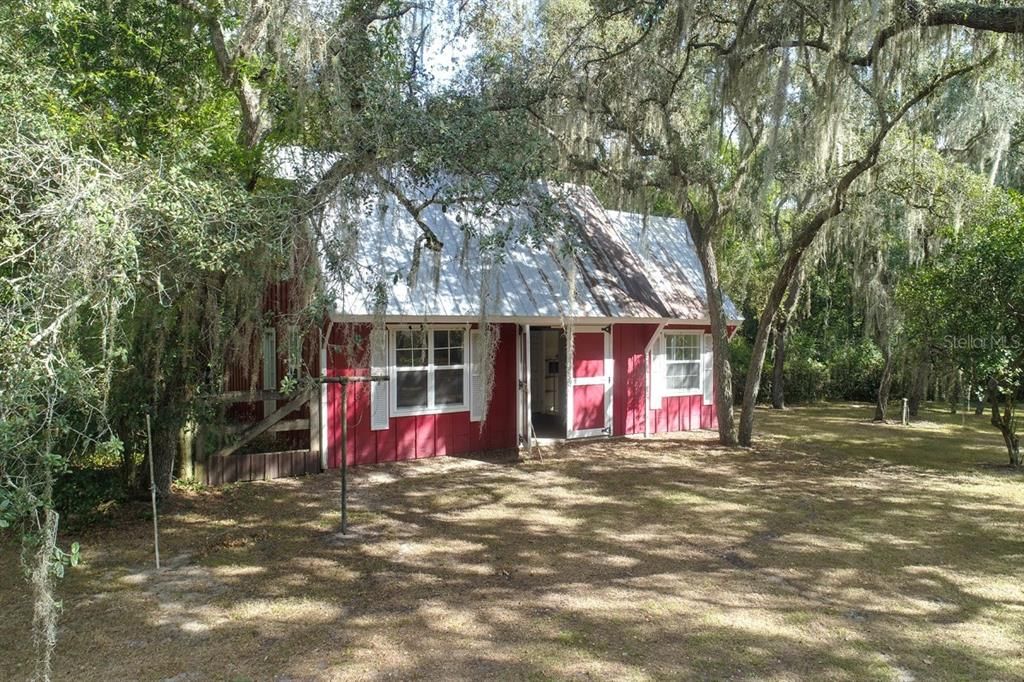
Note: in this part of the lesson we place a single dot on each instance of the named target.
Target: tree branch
(430, 238)
(968, 15)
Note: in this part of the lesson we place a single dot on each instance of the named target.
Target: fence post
(314, 426)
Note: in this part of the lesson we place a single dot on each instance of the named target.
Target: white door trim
(607, 379)
(523, 414)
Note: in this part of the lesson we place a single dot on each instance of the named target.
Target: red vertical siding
(418, 436)
(453, 433)
(629, 386)
(681, 413)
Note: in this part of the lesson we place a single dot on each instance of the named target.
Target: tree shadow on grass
(662, 558)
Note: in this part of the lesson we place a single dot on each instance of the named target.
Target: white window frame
(699, 390)
(393, 371)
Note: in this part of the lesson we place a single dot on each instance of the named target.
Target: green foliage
(965, 307)
(806, 377)
(739, 355)
(84, 495)
(101, 230)
(966, 304)
(140, 84)
(855, 369)
(848, 370)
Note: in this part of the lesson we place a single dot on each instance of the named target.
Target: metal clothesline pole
(345, 381)
(152, 492)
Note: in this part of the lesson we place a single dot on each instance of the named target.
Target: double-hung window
(429, 370)
(682, 363)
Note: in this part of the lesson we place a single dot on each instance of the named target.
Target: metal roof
(626, 266)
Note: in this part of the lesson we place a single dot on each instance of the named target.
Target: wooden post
(344, 458)
(152, 493)
(314, 423)
(906, 413)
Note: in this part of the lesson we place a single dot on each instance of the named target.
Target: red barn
(600, 332)
(604, 334)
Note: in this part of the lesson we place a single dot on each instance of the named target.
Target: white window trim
(675, 392)
(397, 411)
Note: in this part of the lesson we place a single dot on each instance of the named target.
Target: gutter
(524, 319)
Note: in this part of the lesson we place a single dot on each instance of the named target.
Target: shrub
(855, 370)
(806, 379)
(84, 495)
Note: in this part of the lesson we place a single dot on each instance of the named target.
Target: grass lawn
(835, 549)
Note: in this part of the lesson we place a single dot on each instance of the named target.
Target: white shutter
(707, 369)
(378, 389)
(658, 372)
(476, 389)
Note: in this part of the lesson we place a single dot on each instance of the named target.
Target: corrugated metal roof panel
(670, 257)
(627, 267)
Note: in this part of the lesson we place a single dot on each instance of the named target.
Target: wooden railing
(226, 464)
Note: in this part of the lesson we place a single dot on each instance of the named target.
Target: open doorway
(548, 382)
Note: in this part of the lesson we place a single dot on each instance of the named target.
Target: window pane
(410, 340)
(410, 349)
(448, 347)
(411, 389)
(682, 347)
(448, 387)
(683, 376)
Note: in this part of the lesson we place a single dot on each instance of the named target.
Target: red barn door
(590, 383)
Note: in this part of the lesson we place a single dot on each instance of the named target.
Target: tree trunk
(979, 409)
(882, 401)
(779, 368)
(918, 387)
(778, 390)
(719, 329)
(45, 608)
(804, 236)
(764, 328)
(955, 391)
(802, 239)
(1005, 422)
(166, 436)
